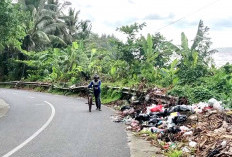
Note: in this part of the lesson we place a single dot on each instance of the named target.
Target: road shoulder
(141, 148)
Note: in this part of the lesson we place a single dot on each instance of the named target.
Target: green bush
(180, 91)
(110, 95)
(193, 94)
(190, 75)
(201, 93)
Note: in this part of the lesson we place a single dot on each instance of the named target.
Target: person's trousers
(98, 100)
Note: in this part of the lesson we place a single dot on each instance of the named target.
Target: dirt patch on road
(141, 148)
(4, 107)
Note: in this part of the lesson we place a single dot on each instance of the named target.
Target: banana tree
(157, 52)
(199, 51)
(169, 75)
(193, 63)
(119, 69)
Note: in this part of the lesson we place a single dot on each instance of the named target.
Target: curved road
(45, 125)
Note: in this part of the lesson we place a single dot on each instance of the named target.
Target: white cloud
(106, 15)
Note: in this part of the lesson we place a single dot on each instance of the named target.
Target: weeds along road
(45, 125)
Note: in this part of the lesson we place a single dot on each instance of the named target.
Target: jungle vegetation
(40, 41)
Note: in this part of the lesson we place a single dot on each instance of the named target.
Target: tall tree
(47, 27)
(12, 31)
(51, 27)
(76, 29)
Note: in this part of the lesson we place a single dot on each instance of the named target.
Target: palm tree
(76, 30)
(47, 26)
(51, 27)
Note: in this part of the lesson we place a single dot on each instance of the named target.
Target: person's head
(96, 77)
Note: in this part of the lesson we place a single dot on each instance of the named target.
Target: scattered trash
(186, 149)
(128, 111)
(156, 130)
(142, 117)
(223, 144)
(205, 127)
(216, 104)
(192, 144)
(193, 117)
(184, 129)
(188, 133)
(180, 108)
(125, 108)
(157, 108)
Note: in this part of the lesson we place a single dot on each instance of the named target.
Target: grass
(110, 95)
(174, 153)
(171, 152)
(150, 135)
(6, 86)
(106, 100)
(39, 89)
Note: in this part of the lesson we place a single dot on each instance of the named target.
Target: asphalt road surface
(45, 125)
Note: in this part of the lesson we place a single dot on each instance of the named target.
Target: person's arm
(99, 83)
(90, 85)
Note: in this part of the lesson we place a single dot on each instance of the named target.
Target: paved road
(33, 128)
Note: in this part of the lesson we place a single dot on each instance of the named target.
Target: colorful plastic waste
(205, 127)
(157, 108)
(216, 104)
(156, 130)
(179, 108)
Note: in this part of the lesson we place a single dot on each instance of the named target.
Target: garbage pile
(203, 129)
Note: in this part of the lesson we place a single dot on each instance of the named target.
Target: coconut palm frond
(41, 5)
(76, 15)
(41, 37)
(51, 6)
(56, 41)
(45, 12)
(68, 38)
(59, 21)
(43, 21)
(43, 24)
(53, 27)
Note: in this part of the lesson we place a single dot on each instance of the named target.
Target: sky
(107, 15)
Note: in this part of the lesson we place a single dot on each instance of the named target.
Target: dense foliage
(39, 42)
(12, 32)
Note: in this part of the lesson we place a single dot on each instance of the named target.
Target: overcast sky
(107, 15)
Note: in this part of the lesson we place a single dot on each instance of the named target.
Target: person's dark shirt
(96, 85)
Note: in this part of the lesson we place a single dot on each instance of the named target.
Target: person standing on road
(96, 84)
